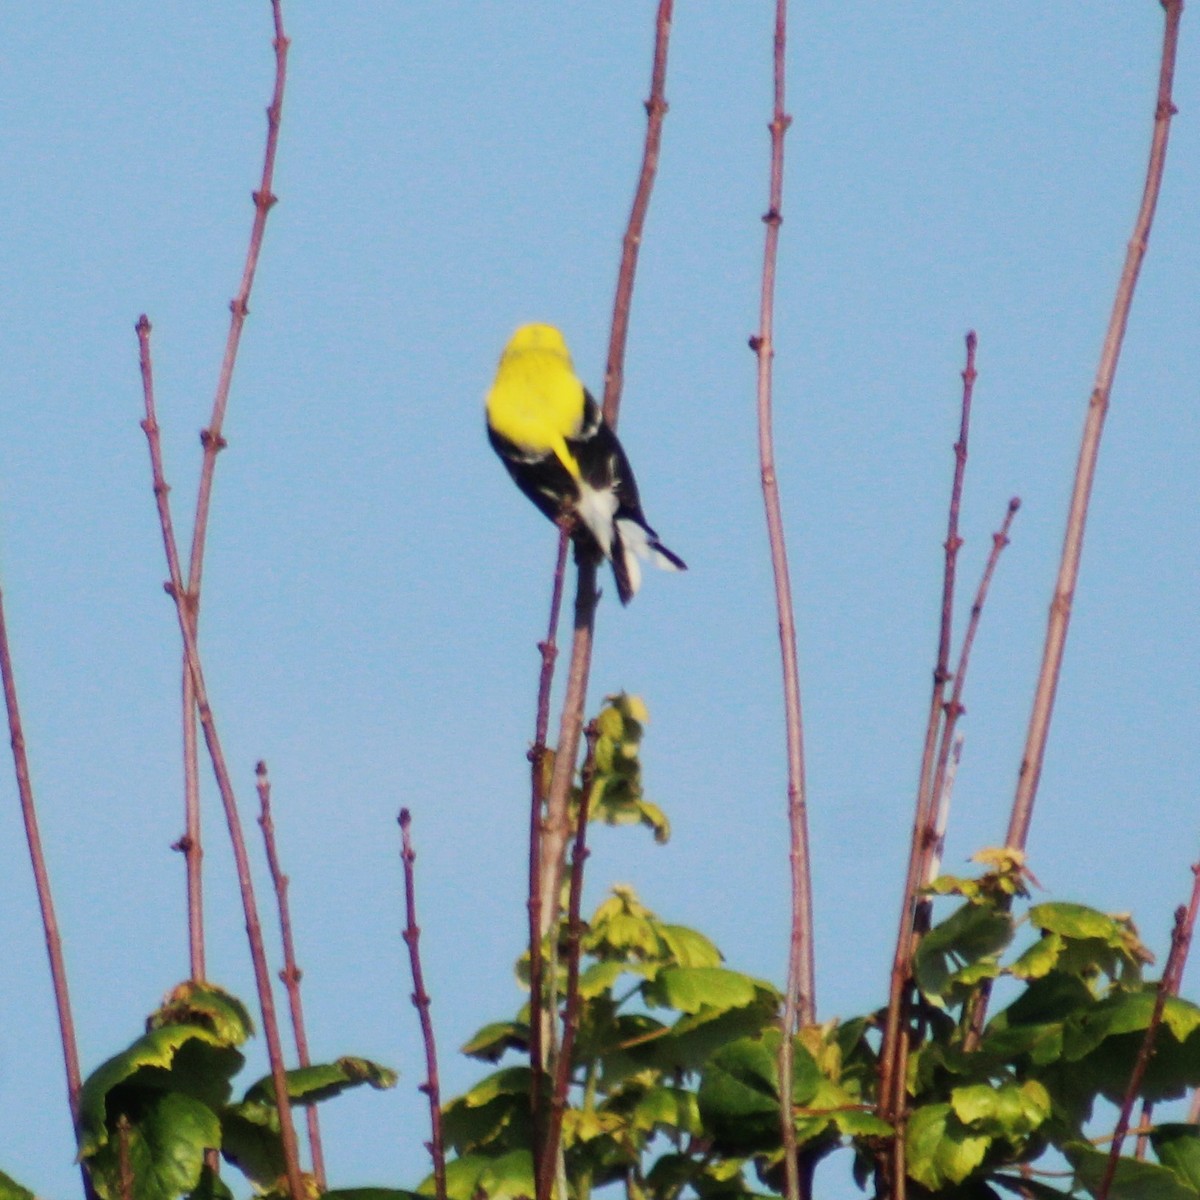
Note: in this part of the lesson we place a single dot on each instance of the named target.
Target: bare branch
(1172, 972)
(291, 973)
(889, 1056)
(799, 1007)
(187, 628)
(1085, 471)
(562, 1075)
(557, 826)
(537, 761)
(656, 110)
(213, 441)
(420, 999)
(41, 880)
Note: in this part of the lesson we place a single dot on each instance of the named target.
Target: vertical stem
(800, 998)
(420, 999)
(554, 840)
(187, 629)
(1085, 471)
(554, 837)
(41, 879)
(656, 110)
(562, 1075)
(213, 441)
(291, 973)
(889, 1055)
(537, 760)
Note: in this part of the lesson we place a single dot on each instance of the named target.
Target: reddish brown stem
(570, 730)
(557, 825)
(291, 973)
(187, 629)
(954, 706)
(656, 110)
(213, 442)
(537, 760)
(420, 999)
(41, 880)
(941, 674)
(562, 1075)
(800, 997)
(1180, 939)
(1085, 471)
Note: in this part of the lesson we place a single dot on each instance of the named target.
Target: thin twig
(1085, 471)
(800, 997)
(562, 1075)
(557, 827)
(41, 880)
(569, 733)
(1180, 937)
(420, 998)
(929, 837)
(291, 973)
(213, 441)
(954, 706)
(175, 590)
(537, 762)
(889, 1055)
(656, 110)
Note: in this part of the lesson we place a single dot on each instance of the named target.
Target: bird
(551, 435)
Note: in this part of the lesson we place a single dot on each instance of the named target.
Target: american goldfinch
(552, 437)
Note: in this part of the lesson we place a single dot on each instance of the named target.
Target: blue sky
(375, 586)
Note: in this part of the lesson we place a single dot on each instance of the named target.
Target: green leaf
(312, 1084)
(739, 1097)
(671, 1109)
(165, 1150)
(1178, 1147)
(250, 1140)
(10, 1189)
(689, 948)
(1040, 959)
(971, 933)
(1010, 1111)
(154, 1051)
(601, 977)
(370, 1193)
(1076, 921)
(492, 1041)
(939, 1148)
(690, 989)
(1133, 1180)
(205, 1004)
(509, 1177)
(1027, 1189)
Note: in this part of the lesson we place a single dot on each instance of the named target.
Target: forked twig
(420, 999)
(562, 1074)
(41, 880)
(213, 441)
(1085, 471)
(291, 973)
(175, 590)
(889, 1054)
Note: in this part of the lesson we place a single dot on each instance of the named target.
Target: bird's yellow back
(536, 401)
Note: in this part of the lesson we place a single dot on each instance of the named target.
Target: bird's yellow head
(538, 339)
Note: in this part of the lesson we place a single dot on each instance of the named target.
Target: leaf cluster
(153, 1116)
